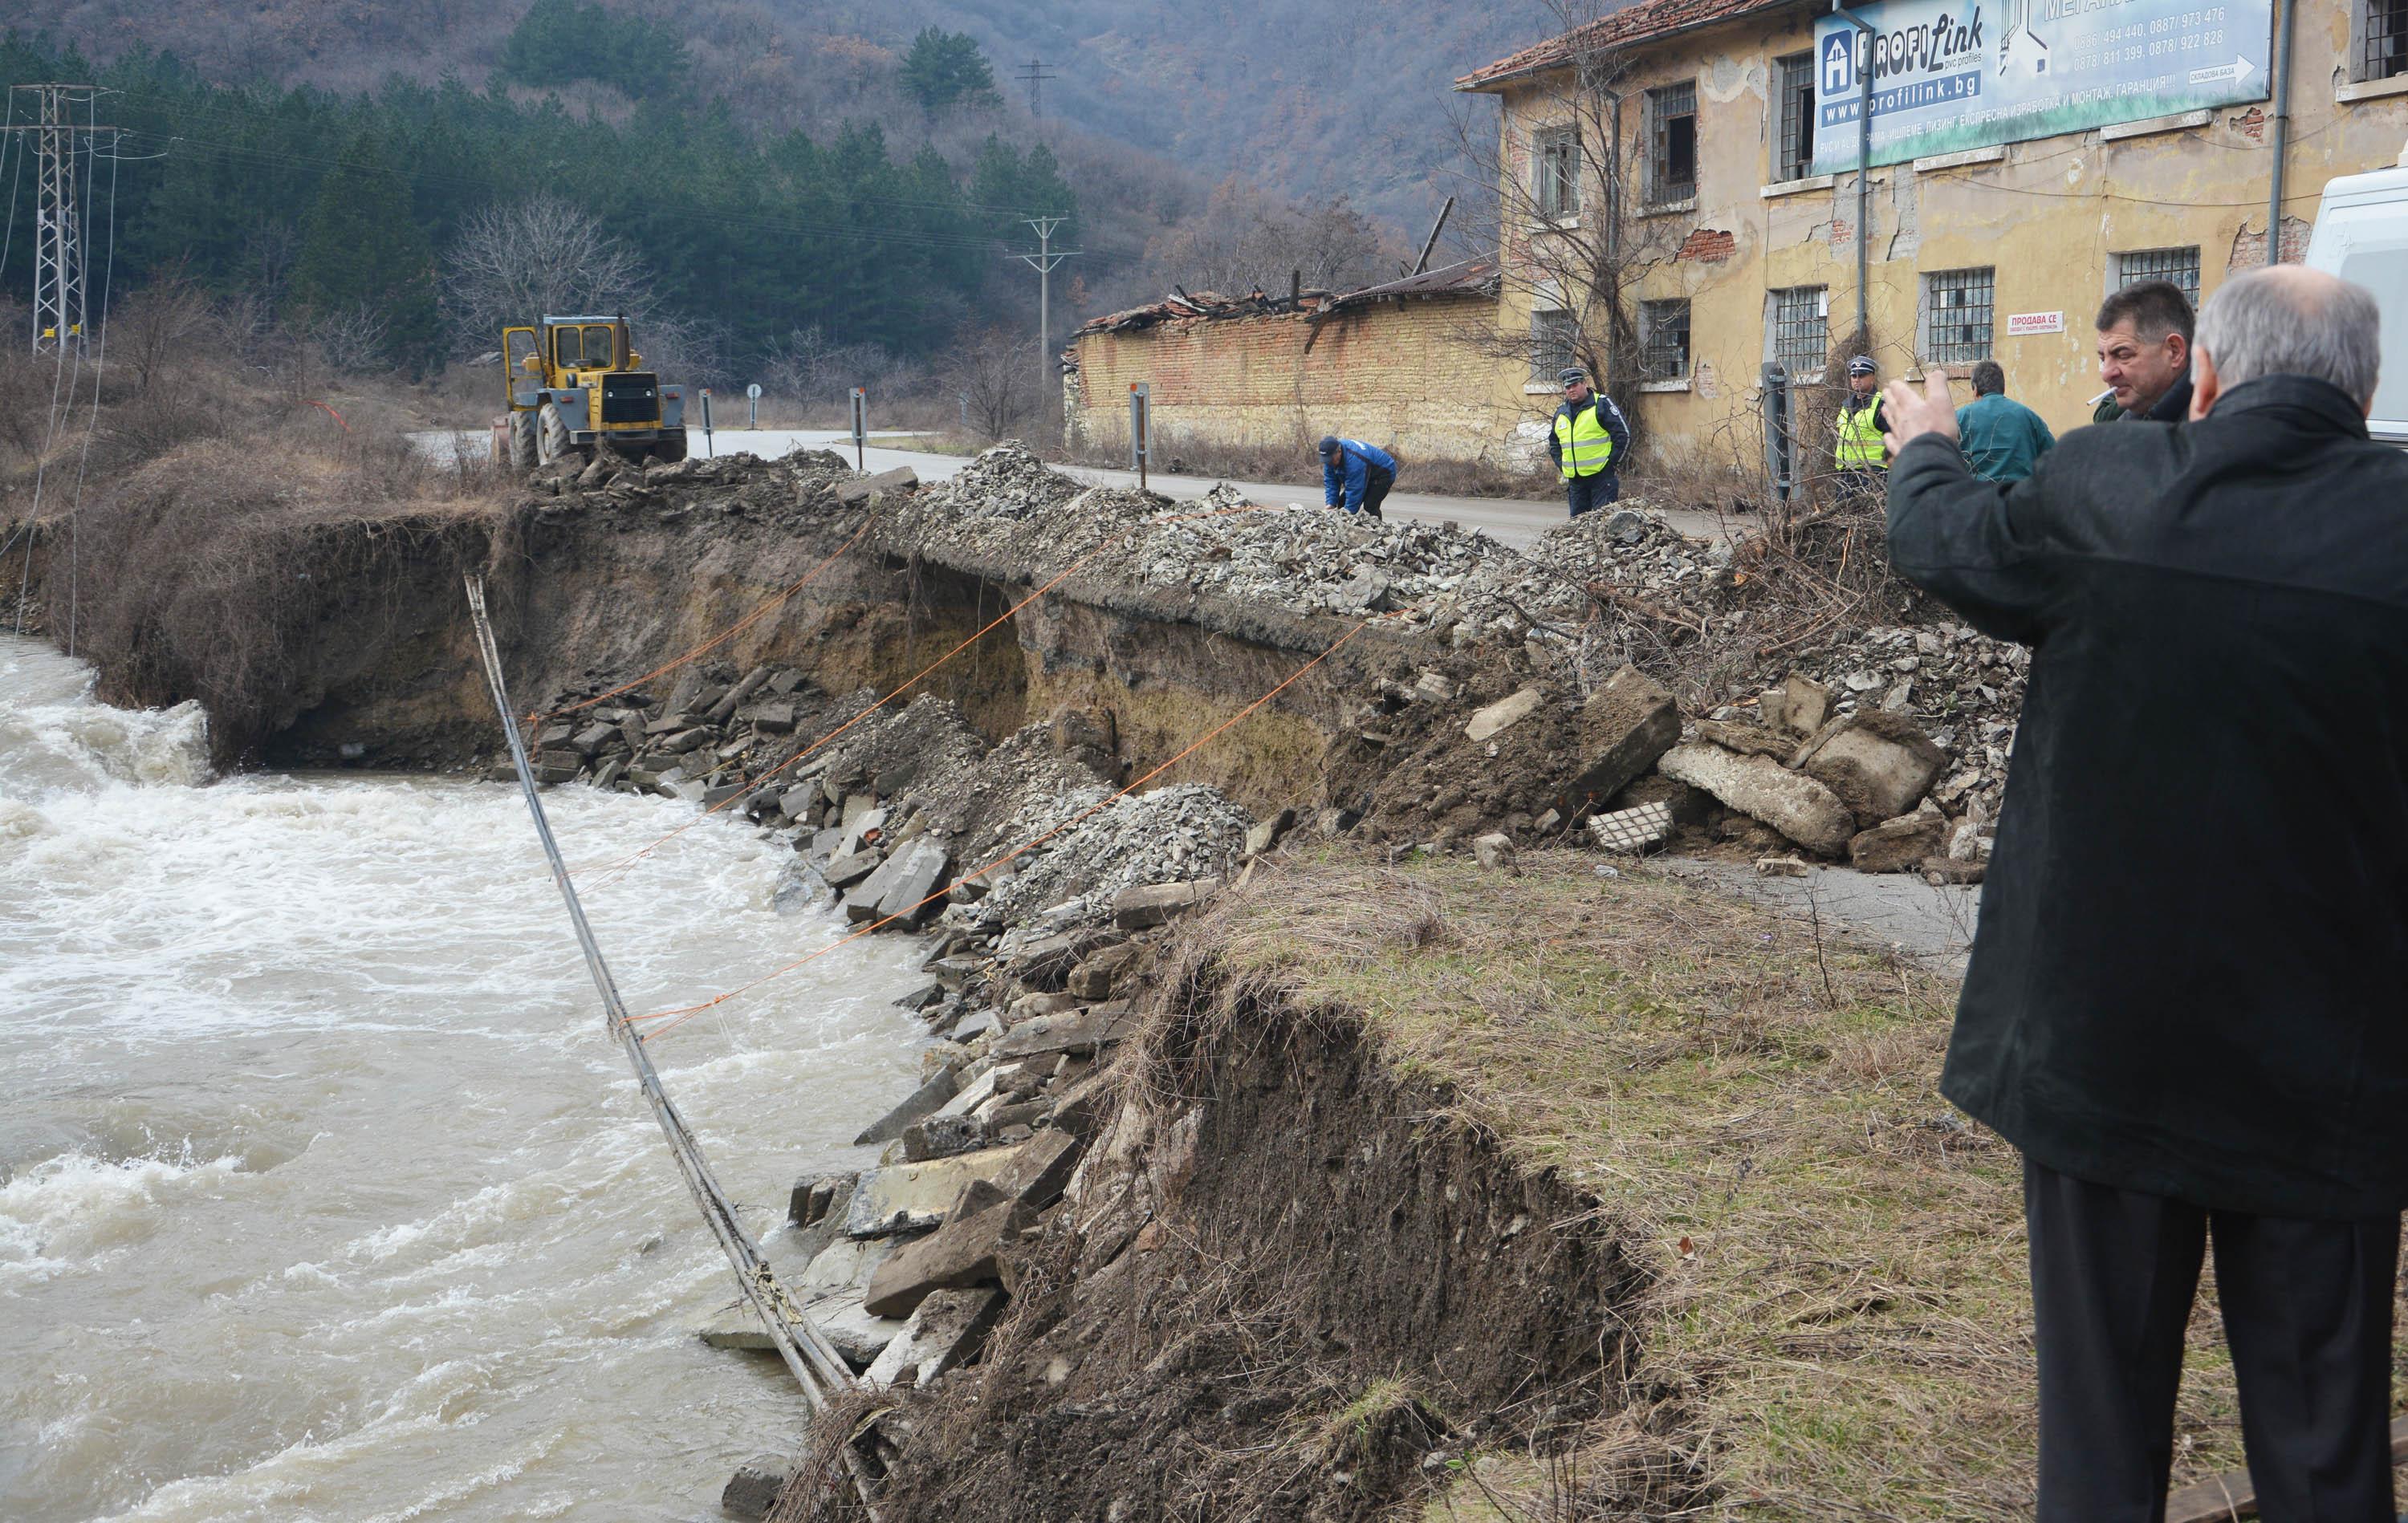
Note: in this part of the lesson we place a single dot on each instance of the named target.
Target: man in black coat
(2184, 1001)
(2145, 340)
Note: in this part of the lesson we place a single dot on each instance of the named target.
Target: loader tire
(551, 434)
(523, 443)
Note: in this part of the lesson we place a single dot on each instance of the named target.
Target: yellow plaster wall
(2046, 217)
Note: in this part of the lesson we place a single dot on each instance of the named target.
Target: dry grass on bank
(1840, 1321)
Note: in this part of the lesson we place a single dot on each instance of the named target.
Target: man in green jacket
(2002, 439)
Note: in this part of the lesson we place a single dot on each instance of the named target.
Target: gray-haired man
(2183, 1003)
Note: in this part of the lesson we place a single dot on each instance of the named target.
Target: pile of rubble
(699, 743)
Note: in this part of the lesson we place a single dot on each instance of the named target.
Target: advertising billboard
(1949, 74)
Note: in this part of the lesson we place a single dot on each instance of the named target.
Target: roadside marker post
(753, 405)
(707, 448)
(1140, 421)
(860, 427)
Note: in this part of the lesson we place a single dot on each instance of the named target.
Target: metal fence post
(707, 448)
(860, 428)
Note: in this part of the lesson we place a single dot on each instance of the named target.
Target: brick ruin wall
(1414, 376)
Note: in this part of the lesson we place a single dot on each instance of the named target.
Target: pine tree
(363, 254)
(945, 69)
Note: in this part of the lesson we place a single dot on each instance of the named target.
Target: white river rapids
(323, 1194)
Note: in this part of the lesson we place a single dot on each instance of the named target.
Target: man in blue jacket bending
(1356, 476)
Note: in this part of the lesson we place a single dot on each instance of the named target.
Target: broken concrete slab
(1879, 764)
(943, 1137)
(1748, 739)
(921, 1103)
(974, 1093)
(1136, 909)
(919, 880)
(948, 1331)
(1796, 805)
(1899, 845)
(1503, 714)
(1806, 704)
(1073, 1032)
(861, 489)
(1782, 867)
(910, 1197)
(1266, 832)
(961, 1253)
(1940, 872)
(1094, 978)
(752, 1490)
(1034, 1178)
(1626, 727)
(858, 1337)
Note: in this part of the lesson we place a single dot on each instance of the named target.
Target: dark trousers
(2307, 1312)
(1590, 493)
(1376, 483)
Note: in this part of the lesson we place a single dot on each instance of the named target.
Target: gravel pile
(1186, 831)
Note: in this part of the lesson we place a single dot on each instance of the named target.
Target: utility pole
(1043, 262)
(60, 260)
(1034, 74)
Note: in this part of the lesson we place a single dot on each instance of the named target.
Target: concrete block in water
(910, 1197)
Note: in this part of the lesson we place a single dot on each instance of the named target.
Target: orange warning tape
(775, 601)
(747, 787)
(680, 1014)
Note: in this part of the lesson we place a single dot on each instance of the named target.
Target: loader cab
(573, 346)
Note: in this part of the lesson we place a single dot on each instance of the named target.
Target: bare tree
(158, 326)
(1247, 239)
(1569, 182)
(515, 262)
(996, 381)
(350, 340)
(809, 366)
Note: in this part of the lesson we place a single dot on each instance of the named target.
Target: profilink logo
(1945, 41)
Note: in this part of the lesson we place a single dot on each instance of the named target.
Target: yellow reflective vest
(1860, 438)
(1587, 448)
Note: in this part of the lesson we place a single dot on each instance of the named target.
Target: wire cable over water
(817, 1367)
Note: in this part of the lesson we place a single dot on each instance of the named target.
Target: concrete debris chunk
(1782, 867)
(959, 1254)
(1879, 764)
(861, 489)
(1626, 727)
(1806, 704)
(1266, 832)
(752, 1490)
(1899, 845)
(918, 881)
(1503, 714)
(1495, 851)
(844, 872)
(1796, 805)
(1070, 1031)
(1094, 978)
(1137, 909)
(947, 1331)
(911, 1197)
(1940, 872)
(943, 1137)
(942, 1086)
(1632, 830)
(1747, 739)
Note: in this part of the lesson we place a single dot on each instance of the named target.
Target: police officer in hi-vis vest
(1862, 459)
(1589, 437)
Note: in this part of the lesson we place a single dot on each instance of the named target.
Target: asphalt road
(1506, 520)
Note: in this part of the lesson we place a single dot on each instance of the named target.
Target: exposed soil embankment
(1289, 1281)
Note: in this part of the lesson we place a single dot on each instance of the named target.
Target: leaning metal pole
(817, 1367)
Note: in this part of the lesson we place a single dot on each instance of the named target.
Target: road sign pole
(752, 405)
(861, 428)
(1140, 422)
(707, 448)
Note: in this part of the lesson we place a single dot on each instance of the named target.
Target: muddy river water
(323, 1193)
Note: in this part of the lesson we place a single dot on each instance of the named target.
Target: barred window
(1801, 329)
(2384, 53)
(1664, 339)
(1794, 101)
(1554, 163)
(2179, 265)
(1552, 338)
(1672, 131)
(1956, 316)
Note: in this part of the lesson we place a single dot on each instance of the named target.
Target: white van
(2362, 236)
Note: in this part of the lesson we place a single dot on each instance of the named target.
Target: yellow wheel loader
(572, 387)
